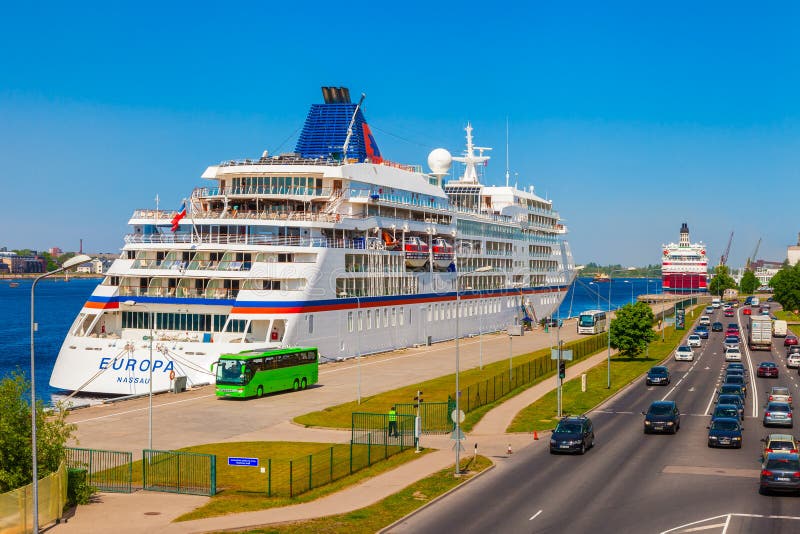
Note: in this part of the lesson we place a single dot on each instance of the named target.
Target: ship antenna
(350, 127)
(507, 171)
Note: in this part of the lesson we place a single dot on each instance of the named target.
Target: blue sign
(246, 462)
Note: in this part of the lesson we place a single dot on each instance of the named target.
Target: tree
(632, 329)
(786, 287)
(52, 433)
(722, 280)
(749, 283)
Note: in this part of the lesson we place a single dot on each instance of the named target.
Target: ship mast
(469, 159)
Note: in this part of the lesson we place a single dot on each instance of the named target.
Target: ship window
(402, 321)
(360, 321)
(350, 321)
(369, 319)
(311, 324)
(386, 318)
(430, 315)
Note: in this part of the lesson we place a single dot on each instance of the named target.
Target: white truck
(779, 328)
(760, 332)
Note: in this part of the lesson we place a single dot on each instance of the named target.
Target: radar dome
(440, 160)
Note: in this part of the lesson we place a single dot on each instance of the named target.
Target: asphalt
(190, 418)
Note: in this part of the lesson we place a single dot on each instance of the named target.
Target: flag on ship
(176, 220)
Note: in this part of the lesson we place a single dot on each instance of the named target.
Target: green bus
(253, 373)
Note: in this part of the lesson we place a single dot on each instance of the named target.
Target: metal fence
(110, 471)
(434, 416)
(179, 472)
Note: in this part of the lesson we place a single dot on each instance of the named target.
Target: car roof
(779, 389)
(684, 348)
(780, 437)
(782, 456)
(662, 403)
(768, 364)
(727, 406)
(733, 419)
(659, 368)
(779, 403)
(728, 396)
(573, 418)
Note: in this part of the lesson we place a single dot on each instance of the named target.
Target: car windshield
(568, 428)
(780, 391)
(767, 364)
(781, 445)
(783, 464)
(724, 425)
(734, 379)
(660, 409)
(774, 407)
(684, 348)
(730, 388)
(658, 371)
(726, 412)
(731, 339)
(730, 399)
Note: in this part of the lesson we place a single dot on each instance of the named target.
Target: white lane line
(670, 391)
(534, 516)
(707, 527)
(710, 401)
(681, 527)
(727, 524)
(752, 375)
(140, 409)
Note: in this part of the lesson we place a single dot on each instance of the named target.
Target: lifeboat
(390, 243)
(442, 254)
(416, 251)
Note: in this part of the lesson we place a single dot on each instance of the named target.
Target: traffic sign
(457, 414)
(565, 354)
(242, 461)
(457, 435)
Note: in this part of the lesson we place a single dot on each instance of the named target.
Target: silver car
(778, 414)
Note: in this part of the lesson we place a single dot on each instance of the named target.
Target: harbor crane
(724, 259)
(752, 256)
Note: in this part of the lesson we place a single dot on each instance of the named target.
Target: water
(57, 305)
(587, 295)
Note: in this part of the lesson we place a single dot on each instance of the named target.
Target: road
(631, 482)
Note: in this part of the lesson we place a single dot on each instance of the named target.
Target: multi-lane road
(632, 482)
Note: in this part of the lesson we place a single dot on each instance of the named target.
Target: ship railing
(213, 293)
(153, 214)
(243, 239)
(266, 190)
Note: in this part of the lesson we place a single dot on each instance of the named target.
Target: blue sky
(632, 116)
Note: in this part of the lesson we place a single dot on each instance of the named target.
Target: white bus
(592, 322)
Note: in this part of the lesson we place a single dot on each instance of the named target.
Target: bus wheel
(296, 385)
(260, 392)
(303, 383)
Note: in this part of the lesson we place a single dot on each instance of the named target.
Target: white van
(755, 302)
(779, 328)
(716, 303)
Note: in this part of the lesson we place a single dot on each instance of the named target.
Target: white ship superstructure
(334, 248)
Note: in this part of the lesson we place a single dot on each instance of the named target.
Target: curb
(435, 500)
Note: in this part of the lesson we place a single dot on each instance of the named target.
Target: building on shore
(55, 252)
(765, 270)
(16, 264)
(793, 252)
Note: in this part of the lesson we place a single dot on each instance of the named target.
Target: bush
(78, 489)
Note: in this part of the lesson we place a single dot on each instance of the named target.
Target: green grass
(542, 414)
(787, 316)
(435, 390)
(385, 512)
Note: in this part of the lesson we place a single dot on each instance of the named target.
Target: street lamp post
(150, 371)
(72, 262)
(611, 281)
(358, 344)
(457, 417)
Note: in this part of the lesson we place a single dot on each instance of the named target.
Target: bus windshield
(586, 320)
(232, 372)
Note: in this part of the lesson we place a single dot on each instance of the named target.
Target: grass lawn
(542, 414)
(373, 518)
(787, 316)
(435, 390)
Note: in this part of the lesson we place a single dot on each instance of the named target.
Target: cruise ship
(331, 246)
(684, 266)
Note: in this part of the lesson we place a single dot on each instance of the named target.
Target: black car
(725, 432)
(662, 416)
(657, 375)
(736, 380)
(726, 410)
(716, 327)
(779, 473)
(732, 399)
(572, 434)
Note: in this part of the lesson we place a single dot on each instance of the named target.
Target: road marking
(694, 523)
(727, 524)
(691, 388)
(670, 391)
(752, 379)
(534, 516)
(707, 527)
(711, 400)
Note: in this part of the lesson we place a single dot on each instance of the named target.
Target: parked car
(572, 434)
(778, 443)
(726, 410)
(694, 341)
(767, 370)
(779, 394)
(733, 354)
(657, 375)
(716, 327)
(662, 416)
(778, 414)
(684, 353)
(725, 432)
(778, 473)
(732, 399)
(790, 339)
